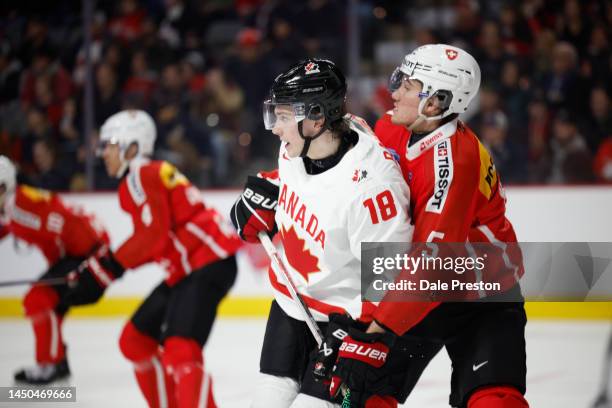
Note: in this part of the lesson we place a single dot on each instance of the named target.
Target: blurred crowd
(203, 67)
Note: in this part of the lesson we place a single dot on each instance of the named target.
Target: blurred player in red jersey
(66, 236)
(456, 196)
(195, 246)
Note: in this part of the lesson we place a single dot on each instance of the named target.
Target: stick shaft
(48, 281)
(279, 268)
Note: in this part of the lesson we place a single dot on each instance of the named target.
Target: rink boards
(539, 214)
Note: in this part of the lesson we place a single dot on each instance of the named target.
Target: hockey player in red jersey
(66, 236)
(456, 196)
(195, 246)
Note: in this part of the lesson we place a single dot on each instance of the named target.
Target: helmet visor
(109, 135)
(102, 144)
(396, 79)
(282, 114)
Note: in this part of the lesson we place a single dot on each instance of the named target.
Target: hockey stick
(277, 265)
(603, 397)
(49, 281)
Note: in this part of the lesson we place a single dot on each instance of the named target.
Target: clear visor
(101, 145)
(282, 114)
(396, 79)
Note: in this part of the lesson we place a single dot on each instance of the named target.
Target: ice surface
(564, 363)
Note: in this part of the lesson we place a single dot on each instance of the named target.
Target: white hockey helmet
(447, 72)
(8, 177)
(126, 128)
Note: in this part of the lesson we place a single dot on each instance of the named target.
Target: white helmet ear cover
(8, 177)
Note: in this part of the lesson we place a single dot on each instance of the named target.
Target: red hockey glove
(89, 281)
(361, 366)
(254, 211)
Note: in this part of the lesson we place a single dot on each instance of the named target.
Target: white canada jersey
(323, 219)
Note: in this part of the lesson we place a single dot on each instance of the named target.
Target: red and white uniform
(42, 219)
(456, 196)
(172, 226)
(323, 219)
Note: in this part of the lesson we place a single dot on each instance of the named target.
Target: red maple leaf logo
(298, 256)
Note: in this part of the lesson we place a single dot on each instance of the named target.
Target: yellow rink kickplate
(236, 307)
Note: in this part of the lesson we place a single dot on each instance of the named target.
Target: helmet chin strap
(421, 117)
(307, 140)
(5, 199)
(124, 164)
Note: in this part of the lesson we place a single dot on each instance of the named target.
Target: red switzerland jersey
(172, 226)
(42, 219)
(455, 196)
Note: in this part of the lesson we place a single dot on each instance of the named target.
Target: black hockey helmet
(314, 88)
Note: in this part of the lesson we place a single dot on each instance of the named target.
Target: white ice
(564, 363)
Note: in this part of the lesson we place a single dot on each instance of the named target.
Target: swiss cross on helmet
(314, 89)
(447, 72)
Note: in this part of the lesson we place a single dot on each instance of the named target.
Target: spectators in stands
(571, 160)
(506, 154)
(602, 166)
(200, 68)
(598, 125)
(50, 174)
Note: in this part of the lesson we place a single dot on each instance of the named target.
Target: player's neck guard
(318, 166)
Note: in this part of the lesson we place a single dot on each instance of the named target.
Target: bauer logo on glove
(255, 209)
(357, 350)
(259, 199)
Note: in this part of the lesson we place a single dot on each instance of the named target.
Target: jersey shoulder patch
(488, 173)
(171, 176)
(35, 194)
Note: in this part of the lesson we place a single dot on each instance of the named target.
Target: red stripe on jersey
(367, 311)
(312, 303)
(268, 175)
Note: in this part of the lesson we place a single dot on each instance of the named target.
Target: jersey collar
(432, 139)
(137, 162)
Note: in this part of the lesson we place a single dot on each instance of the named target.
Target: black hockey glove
(361, 366)
(89, 281)
(326, 356)
(254, 211)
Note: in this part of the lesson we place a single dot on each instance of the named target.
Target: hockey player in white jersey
(335, 188)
